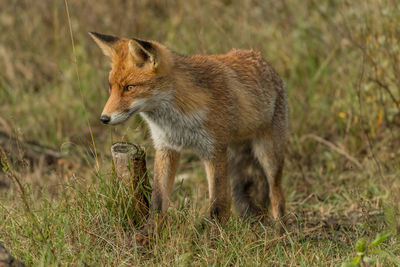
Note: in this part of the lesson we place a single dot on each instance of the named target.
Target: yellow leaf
(380, 117)
(342, 115)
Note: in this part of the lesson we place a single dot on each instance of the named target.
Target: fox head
(137, 80)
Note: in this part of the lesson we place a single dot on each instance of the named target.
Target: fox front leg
(218, 188)
(165, 166)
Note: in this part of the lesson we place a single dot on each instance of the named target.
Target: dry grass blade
(79, 82)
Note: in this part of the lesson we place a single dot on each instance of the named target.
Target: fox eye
(129, 87)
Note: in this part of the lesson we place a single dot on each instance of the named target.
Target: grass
(340, 61)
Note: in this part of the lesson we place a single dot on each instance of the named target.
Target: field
(340, 60)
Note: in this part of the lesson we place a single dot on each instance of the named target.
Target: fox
(230, 109)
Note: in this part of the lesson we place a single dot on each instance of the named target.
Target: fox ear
(143, 53)
(106, 43)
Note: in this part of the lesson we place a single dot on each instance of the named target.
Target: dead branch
(334, 148)
(34, 152)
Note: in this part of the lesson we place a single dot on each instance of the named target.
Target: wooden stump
(130, 167)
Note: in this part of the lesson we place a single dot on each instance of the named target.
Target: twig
(386, 88)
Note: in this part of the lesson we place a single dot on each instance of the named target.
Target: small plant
(365, 251)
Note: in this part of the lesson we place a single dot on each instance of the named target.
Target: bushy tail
(250, 187)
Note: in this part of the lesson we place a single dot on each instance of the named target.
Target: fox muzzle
(105, 119)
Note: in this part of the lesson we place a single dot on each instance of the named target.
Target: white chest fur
(172, 129)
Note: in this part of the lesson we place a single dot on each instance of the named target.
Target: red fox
(230, 109)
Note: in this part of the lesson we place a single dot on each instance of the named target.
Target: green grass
(86, 223)
(340, 61)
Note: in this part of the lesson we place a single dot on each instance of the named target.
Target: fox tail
(249, 182)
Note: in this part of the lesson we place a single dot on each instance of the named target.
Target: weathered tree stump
(130, 167)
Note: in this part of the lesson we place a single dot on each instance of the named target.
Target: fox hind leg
(269, 151)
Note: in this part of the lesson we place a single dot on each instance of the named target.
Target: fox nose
(105, 119)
